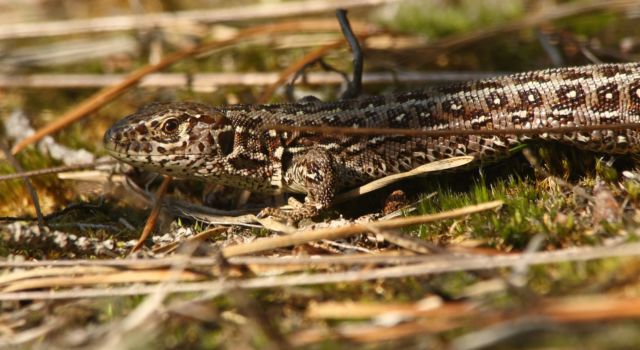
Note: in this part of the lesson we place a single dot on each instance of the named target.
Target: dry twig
(153, 216)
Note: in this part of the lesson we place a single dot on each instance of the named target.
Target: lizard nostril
(109, 138)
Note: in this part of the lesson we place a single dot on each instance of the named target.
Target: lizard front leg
(313, 172)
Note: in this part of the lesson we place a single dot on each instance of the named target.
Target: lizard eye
(170, 125)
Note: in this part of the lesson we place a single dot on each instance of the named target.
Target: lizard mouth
(140, 156)
(134, 150)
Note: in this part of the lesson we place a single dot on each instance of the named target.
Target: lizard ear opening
(220, 120)
(225, 142)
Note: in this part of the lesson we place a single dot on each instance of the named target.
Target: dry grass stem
(298, 65)
(436, 166)
(98, 279)
(205, 82)
(57, 169)
(179, 19)
(429, 307)
(9, 278)
(390, 258)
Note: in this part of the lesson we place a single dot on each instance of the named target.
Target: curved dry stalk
(436, 166)
(296, 66)
(153, 216)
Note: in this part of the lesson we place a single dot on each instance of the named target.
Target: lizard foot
(313, 170)
(291, 216)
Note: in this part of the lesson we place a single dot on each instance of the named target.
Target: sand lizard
(229, 144)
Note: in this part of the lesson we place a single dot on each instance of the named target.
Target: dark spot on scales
(608, 98)
(243, 162)
(141, 129)
(225, 141)
(496, 100)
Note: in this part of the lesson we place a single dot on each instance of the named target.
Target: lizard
(232, 145)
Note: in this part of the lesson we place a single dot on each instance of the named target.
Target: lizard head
(171, 138)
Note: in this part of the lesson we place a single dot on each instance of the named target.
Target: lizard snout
(112, 137)
(117, 136)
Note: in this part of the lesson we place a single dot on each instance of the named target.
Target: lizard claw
(266, 212)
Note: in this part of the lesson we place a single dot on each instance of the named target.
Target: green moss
(590, 25)
(452, 285)
(14, 198)
(633, 189)
(441, 18)
(528, 210)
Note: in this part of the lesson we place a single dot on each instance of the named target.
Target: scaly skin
(228, 144)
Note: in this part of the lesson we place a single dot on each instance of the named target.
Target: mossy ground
(534, 204)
